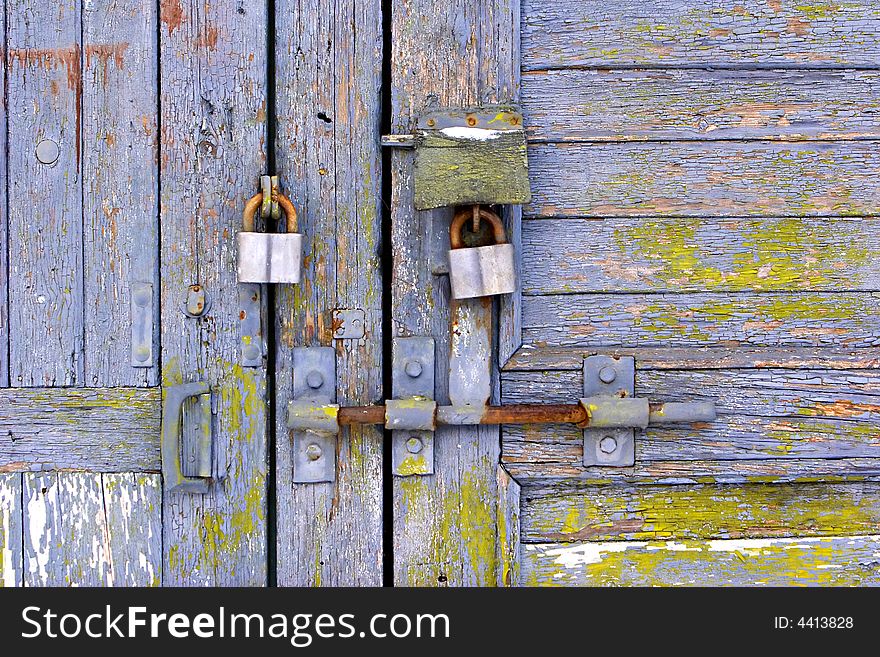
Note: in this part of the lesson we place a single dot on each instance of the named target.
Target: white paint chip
(474, 134)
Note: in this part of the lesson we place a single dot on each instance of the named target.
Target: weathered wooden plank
(509, 530)
(133, 507)
(328, 112)
(4, 224)
(780, 414)
(96, 429)
(773, 319)
(821, 561)
(10, 530)
(627, 254)
(213, 61)
(613, 105)
(445, 524)
(703, 33)
(119, 165)
(653, 513)
(554, 475)
(44, 78)
(531, 358)
(83, 530)
(705, 179)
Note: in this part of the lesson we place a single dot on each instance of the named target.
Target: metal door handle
(172, 424)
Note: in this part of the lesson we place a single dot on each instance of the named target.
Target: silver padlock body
(269, 257)
(482, 271)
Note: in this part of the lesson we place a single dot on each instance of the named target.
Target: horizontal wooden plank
(531, 358)
(705, 179)
(699, 33)
(762, 414)
(557, 475)
(770, 319)
(820, 561)
(650, 513)
(10, 530)
(622, 105)
(672, 254)
(95, 429)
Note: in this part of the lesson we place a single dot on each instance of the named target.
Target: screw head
(142, 354)
(607, 374)
(141, 297)
(431, 123)
(314, 379)
(313, 452)
(413, 369)
(251, 352)
(47, 151)
(414, 445)
(608, 445)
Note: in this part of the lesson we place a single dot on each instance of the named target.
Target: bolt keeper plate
(606, 376)
(314, 380)
(412, 375)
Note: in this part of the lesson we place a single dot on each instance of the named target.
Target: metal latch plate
(314, 379)
(412, 375)
(606, 376)
(471, 156)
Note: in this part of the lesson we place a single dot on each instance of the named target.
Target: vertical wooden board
(119, 165)
(133, 508)
(212, 151)
(328, 105)
(66, 542)
(508, 545)
(445, 525)
(10, 530)
(44, 92)
(4, 253)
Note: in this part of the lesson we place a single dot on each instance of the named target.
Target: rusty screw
(472, 121)
(431, 123)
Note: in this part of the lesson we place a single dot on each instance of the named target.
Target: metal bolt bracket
(312, 414)
(412, 384)
(197, 303)
(605, 376)
(349, 324)
(250, 325)
(142, 354)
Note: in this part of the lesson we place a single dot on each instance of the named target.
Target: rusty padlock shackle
(458, 221)
(250, 210)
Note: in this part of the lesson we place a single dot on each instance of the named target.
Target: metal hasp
(471, 156)
(269, 257)
(172, 426)
(411, 415)
(613, 412)
(480, 271)
(313, 434)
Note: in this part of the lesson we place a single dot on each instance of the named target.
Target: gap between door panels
(386, 262)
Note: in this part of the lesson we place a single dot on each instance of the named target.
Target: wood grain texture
(84, 530)
(622, 105)
(213, 70)
(763, 414)
(509, 530)
(11, 560)
(328, 112)
(799, 179)
(772, 319)
(445, 525)
(119, 165)
(627, 254)
(531, 358)
(44, 78)
(705, 33)
(4, 224)
(654, 513)
(94, 429)
(819, 561)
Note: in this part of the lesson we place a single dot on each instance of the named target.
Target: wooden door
(704, 192)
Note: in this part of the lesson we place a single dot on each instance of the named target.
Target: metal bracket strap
(412, 383)
(142, 325)
(314, 445)
(605, 376)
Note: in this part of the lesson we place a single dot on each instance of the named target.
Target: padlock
(480, 271)
(269, 257)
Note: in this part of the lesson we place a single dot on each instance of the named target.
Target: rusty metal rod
(530, 414)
